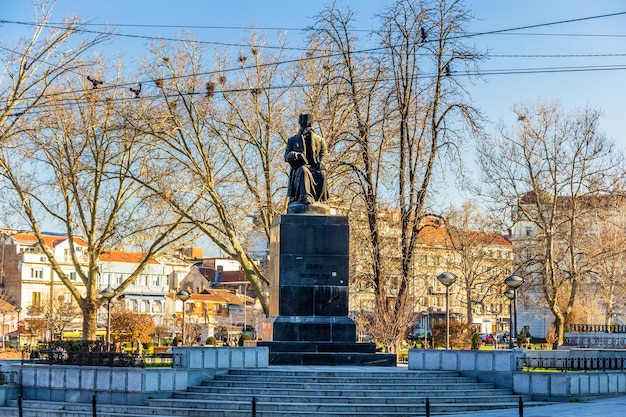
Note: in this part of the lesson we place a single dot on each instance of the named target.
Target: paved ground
(608, 407)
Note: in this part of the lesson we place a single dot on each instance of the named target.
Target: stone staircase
(305, 392)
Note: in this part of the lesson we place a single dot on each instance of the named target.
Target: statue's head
(305, 120)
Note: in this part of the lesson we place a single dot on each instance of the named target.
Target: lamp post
(18, 310)
(183, 296)
(425, 314)
(510, 294)
(4, 314)
(108, 293)
(513, 282)
(447, 279)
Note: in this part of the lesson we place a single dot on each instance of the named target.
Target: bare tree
(605, 244)
(553, 173)
(33, 65)
(60, 309)
(479, 256)
(347, 89)
(223, 134)
(79, 170)
(399, 110)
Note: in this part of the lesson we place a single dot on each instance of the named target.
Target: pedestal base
(309, 323)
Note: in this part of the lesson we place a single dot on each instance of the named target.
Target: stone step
(302, 392)
(392, 398)
(374, 380)
(359, 372)
(313, 386)
(357, 395)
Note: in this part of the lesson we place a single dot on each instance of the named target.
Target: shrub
(460, 335)
(242, 338)
(476, 342)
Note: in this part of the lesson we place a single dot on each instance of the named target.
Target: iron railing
(573, 364)
(90, 353)
(597, 328)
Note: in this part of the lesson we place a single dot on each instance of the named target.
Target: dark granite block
(313, 235)
(343, 332)
(330, 301)
(309, 323)
(296, 301)
(314, 270)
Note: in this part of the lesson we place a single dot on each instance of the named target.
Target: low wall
(568, 386)
(500, 367)
(596, 340)
(115, 385)
(494, 366)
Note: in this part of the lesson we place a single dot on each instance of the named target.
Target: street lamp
(447, 279)
(183, 296)
(4, 314)
(513, 282)
(18, 310)
(425, 314)
(108, 293)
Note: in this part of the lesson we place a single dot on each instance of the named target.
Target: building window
(36, 273)
(529, 231)
(156, 280)
(72, 276)
(36, 299)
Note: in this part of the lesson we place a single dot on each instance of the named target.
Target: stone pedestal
(309, 323)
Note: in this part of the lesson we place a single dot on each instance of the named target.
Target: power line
(329, 55)
(485, 73)
(57, 25)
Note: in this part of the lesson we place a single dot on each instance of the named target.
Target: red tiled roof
(50, 240)
(440, 236)
(130, 257)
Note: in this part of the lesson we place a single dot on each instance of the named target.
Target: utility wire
(513, 71)
(470, 35)
(282, 62)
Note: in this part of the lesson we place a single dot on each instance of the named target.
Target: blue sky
(495, 96)
(597, 42)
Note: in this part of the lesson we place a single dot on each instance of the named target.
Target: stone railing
(132, 385)
(504, 367)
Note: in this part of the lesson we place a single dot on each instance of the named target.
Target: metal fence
(118, 359)
(573, 364)
(597, 328)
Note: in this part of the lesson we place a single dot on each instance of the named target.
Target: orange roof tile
(440, 236)
(50, 240)
(130, 257)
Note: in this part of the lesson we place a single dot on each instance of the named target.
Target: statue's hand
(295, 158)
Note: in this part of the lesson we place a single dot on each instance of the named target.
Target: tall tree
(32, 66)
(76, 171)
(345, 85)
(552, 171)
(423, 46)
(401, 108)
(479, 256)
(223, 131)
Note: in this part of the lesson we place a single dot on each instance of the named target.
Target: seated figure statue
(307, 180)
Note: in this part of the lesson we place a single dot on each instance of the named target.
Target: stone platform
(308, 322)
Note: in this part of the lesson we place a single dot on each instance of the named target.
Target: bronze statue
(305, 153)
